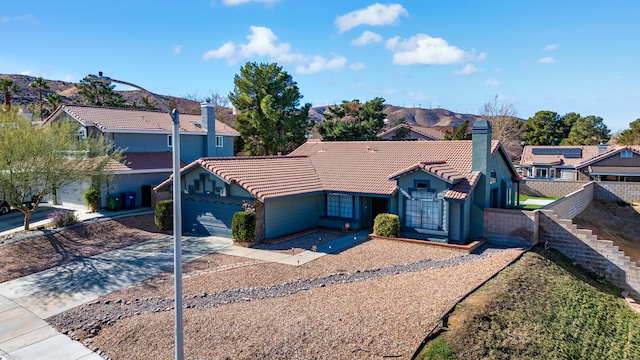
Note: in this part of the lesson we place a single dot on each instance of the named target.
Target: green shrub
(62, 218)
(92, 198)
(243, 226)
(163, 216)
(387, 225)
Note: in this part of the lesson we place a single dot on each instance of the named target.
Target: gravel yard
(375, 300)
(28, 256)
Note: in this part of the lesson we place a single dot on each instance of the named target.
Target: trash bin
(128, 200)
(113, 203)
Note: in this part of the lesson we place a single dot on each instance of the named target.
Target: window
(219, 141)
(169, 141)
(626, 154)
(494, 177)
(82, 133)
(552, 173)
(541, 173)
(424, 211)
(340, 205)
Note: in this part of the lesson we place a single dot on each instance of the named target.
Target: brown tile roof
(356, 167)
(529, 158)
(431, 133)
(461, 190)
(615, 170)
(143, 162)
(123, 120)
(438, 168)
(610, 152)
(264, 177)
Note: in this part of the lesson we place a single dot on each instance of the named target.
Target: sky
(563, 56)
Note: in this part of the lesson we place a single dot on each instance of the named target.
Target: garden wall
(550, 188)
(508, 226)
(604, 190)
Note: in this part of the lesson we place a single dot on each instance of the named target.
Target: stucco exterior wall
(288, 216)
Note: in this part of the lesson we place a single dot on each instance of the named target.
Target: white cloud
(69, 78)
(318, 63)
(26, 72)
(357, 66)
(425, 50)
(242, 2)
(546, 60)
(367, 37)
(262, 42)
(20, 18)
(467, 70)
(376, 15)
(551, 47)
(178, 49)
(492, 83)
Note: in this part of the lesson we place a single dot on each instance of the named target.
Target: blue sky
(564, 56)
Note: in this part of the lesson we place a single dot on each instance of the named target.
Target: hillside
(68, 91)
(414, 116)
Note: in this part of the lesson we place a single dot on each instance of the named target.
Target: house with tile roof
(146, 138)
(438, 188)
(588, 162)
(411, 132)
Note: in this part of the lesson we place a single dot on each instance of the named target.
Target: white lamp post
(177, 210)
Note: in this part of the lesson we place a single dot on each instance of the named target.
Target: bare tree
(506, 125)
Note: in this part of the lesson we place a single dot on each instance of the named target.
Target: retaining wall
(604, 190)
(550, 188)
(507, 226)
(616, 191)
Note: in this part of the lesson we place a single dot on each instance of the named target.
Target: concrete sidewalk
(27, 301)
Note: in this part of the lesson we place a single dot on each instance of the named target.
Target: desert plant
(387, 225)
(163, 216)
(243, 226)
(62, 218)
(92, 198)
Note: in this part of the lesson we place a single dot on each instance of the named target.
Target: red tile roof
(431, 133)
(130, 120)
(143, 162)
(529, 158)
(461, 190)
(356, 167)
(438, 168)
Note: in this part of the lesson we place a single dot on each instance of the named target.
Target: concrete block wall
(584, 248)
(509, 226)
(615, 191)
(550, 188)
(573, 204)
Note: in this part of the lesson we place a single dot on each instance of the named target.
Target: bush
(387, 225)
(62, 218)
(92, 198)
(243, 226)
(163, 216)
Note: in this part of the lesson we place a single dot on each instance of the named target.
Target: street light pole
(177, 210)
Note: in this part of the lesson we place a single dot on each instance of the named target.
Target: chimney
(481, 161)
(602, 148)
(209, 124)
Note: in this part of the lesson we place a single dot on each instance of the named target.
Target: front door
(379, 206)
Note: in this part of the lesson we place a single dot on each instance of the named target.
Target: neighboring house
(411, 132)
(146, 138)
(589, 162)
(438, 188)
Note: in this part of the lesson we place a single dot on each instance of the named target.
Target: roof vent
(196, 124)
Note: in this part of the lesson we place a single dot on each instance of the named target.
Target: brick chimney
(209, 124)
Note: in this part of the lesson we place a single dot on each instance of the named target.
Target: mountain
(69, 93)
(414, 116)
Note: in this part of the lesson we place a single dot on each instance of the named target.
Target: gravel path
(116, 315)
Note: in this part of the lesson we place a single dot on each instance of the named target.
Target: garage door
(71, 195)
(206, 215)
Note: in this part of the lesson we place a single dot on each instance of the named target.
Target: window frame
(344, 208)
(170, 140)
(219, 141)
(626, 154)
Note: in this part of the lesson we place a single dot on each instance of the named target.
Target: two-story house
(146, 138)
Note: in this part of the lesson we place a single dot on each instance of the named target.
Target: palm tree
(7, 86)
(40, 84)
(54, 100)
